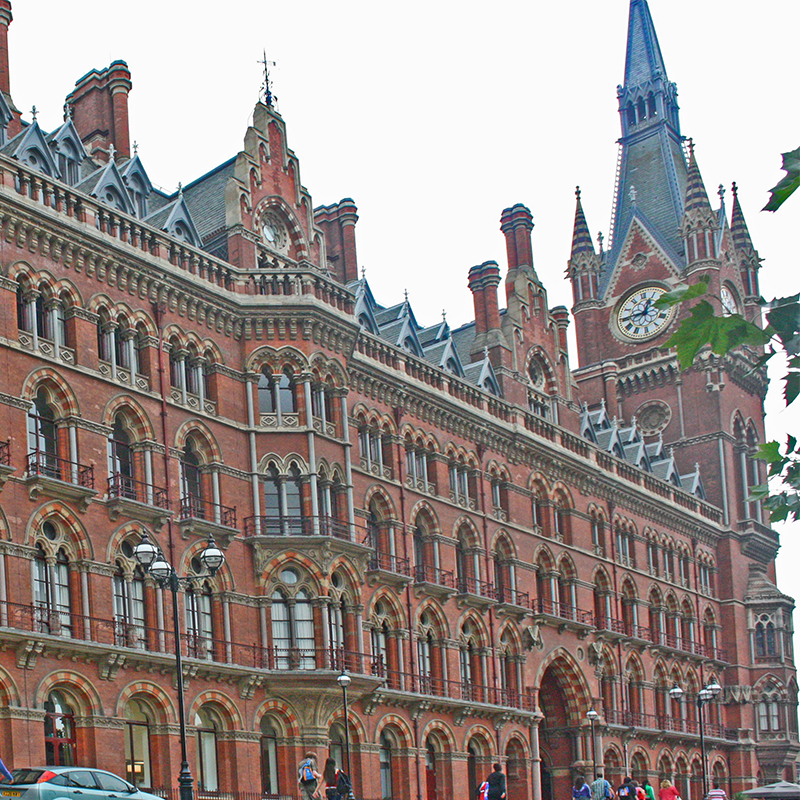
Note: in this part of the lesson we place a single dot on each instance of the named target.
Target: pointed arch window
(269, 758)
(120, 460)
(51, 589)
(206, 728)
(129, 613)
(199, 621)
(137, 745)
(385, 756)
(191, 482)
(43, 450)
(337, 614)
(60, 742)
(293, 630)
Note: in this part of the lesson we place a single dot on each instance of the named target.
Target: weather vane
(269, 98)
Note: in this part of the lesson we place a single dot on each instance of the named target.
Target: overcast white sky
(436, 115)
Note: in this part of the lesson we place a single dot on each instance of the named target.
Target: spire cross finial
(405, 296)
(67, 111)
(444, 315)
(721, 193)
(735, 189)
(363, 272)
(578, 192)
(268, 96)
(690, 142)
(632, 193)
(136, 148)
(600, 240)
(34, 112)
(180, 189)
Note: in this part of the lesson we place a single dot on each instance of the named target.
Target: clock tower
(666, 233)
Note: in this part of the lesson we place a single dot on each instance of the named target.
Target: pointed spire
(643, 60)
(696, 195)
(581, 238)
(741, 234)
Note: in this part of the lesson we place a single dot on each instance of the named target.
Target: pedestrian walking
(497, 784)
(337, 782)
(308, 778)
(716, 793)
(580, 789)
(668, 791)
(601, 788)
(649, 791)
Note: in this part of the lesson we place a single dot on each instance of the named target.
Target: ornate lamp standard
(153, 561)
(344, 681)
(593, 716)
(704, 697)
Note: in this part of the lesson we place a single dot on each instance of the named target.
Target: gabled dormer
(444, 355)
(107, 186)
(69, 152)
(365, 305)
(30, 147)
(693, 483)
(139, 186)
(175, 219)
(482, 374)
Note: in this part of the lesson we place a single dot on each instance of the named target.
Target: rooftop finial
(735, 189)
(578, 192)
(444, 315)
(34, 112)
(112, 151)
(632, 193)
(269, 98)
(721, 193)
(405, 296)
(363, 272)
(67, 111)
(600, 241)
(136, 148)
(690, 142)
(180, 189)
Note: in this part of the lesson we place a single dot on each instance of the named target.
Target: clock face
(269, 232)
(729, 303)
(274, 233)
(639, 318)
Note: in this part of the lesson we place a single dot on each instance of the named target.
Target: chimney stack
(483, 282)
(516, 223)
(99, 104)
(5, 21)
(338, 221)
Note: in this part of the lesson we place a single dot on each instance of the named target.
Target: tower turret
(746, 255)
(584, 265)
(700, 223)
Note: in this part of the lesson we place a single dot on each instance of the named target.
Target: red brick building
(490, 542)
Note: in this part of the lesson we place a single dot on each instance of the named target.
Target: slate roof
(205, 199)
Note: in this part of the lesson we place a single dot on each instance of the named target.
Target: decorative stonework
(653, 417)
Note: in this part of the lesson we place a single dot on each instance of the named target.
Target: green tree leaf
(684, 292)
(784, 188)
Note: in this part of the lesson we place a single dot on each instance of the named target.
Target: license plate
(12, 794)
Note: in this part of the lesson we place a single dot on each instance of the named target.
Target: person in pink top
(668, 791)
(716, 793)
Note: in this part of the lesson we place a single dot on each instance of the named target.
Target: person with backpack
(601, 788)
(497, 783)
(337, 782)
(308, 778)
(627, 790)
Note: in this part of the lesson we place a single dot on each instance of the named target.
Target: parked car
(68, 783)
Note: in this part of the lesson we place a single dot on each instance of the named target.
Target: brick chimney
(516, 223)
(483, 282)
(99, 104)
(338, 221)
(5, 21)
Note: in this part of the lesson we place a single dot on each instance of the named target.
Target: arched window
(286, 392)
(120, 461)
(538, 509)
(191, 482)
(269, 758)
(337, 612)
(385, 761)
(199, 620)
(60, 743)
(43, 450)
(129, 617)
(598, 533)
(51, 590)
(293, 630)
(561, 519)
(266, 392)
(468, 564)
(283, 502)
(206, 727)
(137, 745)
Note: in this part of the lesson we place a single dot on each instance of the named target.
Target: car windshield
(24, 776)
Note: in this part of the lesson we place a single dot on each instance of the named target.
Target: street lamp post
(593, 716)
(704, 697)
(152, 560)
(344, 681)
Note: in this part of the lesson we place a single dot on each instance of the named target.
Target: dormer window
(112, 198)
(68, 166)
(138, 195)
